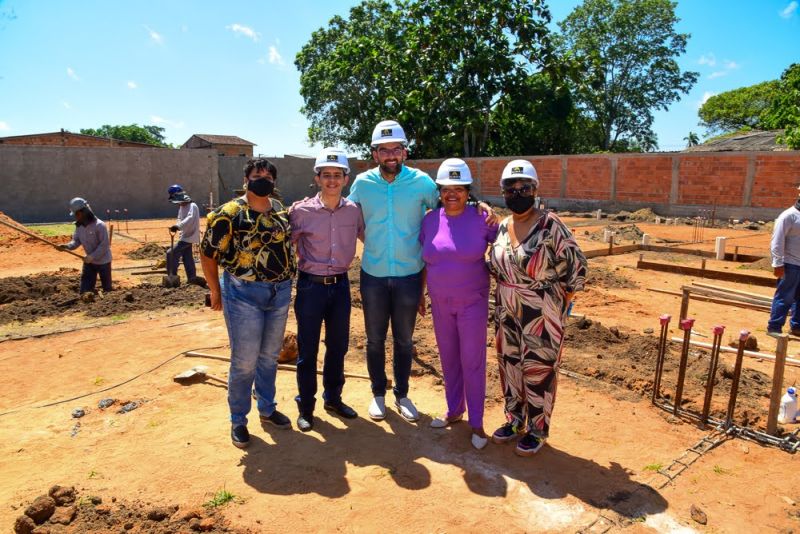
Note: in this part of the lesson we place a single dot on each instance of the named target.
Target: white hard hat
(76, 204)
(453, 171)
(388, 132)
(332, 157)
(519, 169)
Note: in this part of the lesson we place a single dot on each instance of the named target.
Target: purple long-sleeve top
(325, 239)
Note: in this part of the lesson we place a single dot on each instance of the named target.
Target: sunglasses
(524, 191)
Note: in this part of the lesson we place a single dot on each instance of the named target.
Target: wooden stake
(777, 384)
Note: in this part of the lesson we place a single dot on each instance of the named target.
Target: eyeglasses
(390, 151)
(524, 191)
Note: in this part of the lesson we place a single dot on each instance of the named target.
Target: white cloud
(4, 127)
(247, 31)
(154, 35)
(730, 65)
(161, 121)
(275, 56)
(706, 96)
(789, 10)
(707, 59)
(132, 85)
(717, 74)
(71, 74)
(66, 104)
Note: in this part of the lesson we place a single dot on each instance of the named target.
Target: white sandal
(442, 422)
(478, 442)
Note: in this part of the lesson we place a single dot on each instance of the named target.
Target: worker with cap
(785, 251)
(90, 233)
(454, 240)
(325, 229)
(393, 198)
(188, 223)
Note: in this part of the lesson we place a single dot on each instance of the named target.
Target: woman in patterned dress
(538, 267)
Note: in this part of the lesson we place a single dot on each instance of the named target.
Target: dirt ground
(148, 453)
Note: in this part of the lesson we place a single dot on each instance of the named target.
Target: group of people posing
(417, 233)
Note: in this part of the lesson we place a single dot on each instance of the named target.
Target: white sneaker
(442, 421)
(407, 409)
(377, 409)
(479, 442)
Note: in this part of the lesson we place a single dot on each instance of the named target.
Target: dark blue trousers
(316, 304)
(181, 252)
(89, 276)
(390, 299)
(786, 297)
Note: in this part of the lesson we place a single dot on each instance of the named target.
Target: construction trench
(710, 396)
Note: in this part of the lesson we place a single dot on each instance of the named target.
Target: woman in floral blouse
(538, 267)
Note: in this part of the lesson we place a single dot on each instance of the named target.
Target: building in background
(225, 145)
(69, 139)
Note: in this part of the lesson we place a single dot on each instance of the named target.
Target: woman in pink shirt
(454, 240)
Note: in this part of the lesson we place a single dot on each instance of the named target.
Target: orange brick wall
(68, 139)
(776, 177)
(234, 150)
(644, 179)
(589, 178)
(712, 179)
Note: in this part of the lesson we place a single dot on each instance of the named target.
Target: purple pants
(460, 327)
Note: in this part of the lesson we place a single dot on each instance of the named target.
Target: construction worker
(250, 238)
(188, 224)
(90, 233)
(393, 198)
(785, 250)
(325, 229)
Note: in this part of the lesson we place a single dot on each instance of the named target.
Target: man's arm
(102, 247)
(211, 272)
(778, 245)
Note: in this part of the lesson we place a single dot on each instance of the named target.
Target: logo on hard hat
(455, 175)
(516, 169)
(386, 132)
(333, 157)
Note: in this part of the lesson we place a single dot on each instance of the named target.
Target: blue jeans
(255, 314)
(89, 276)
(181, 252)
(786, 296)
(314, 304)
(385, 299)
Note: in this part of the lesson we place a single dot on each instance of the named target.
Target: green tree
(784, 111)
(152, 135)
(737, 109)
(628, 50)
(692, 139)
(439, 67)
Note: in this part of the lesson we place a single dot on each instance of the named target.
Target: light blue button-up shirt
(393, 215)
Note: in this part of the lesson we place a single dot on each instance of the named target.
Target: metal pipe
(662, 351)
(712, 371)
(737, 374)
(686, 326)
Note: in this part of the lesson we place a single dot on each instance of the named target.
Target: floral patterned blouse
(250, 245)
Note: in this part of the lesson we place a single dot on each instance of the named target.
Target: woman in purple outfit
(455, 238)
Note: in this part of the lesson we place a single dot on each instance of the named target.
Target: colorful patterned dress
(533, 280)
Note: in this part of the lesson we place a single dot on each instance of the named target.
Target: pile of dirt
(12, 238)
(628, 359)
(644, 214)
(28, 298)
(764, 264)
(147, 251)
(64, 510)
(603, 277)
(623, 233)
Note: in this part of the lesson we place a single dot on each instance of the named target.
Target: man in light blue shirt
(785, 249)
(394, 199)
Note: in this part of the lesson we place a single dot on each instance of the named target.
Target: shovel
(172, 280)
(197, 373)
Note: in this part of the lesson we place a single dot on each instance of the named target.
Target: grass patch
(99, 380)
(120, 317)
(721, 470)
(94, 474)
(54, 230)
(654, 467)
(221, 498)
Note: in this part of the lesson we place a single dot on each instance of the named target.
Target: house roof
(223, 139)
(742, 142)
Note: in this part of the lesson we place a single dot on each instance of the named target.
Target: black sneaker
(505, 433)
(276, 419)
(529, 445)
(240, 436)
(340, 408)
(305, 422)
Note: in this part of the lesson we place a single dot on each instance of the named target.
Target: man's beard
(388, 170)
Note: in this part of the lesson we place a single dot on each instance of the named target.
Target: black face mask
(519, 204)
(261, 187)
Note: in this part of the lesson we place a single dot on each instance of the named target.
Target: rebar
(737, 374)
(686, 326)
(662, 351)
(712, 370)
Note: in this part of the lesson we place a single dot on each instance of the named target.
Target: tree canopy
(738, 109)
(628, 49)
(152, 135)
(784, 111)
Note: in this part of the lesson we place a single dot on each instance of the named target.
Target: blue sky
(227, 67)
